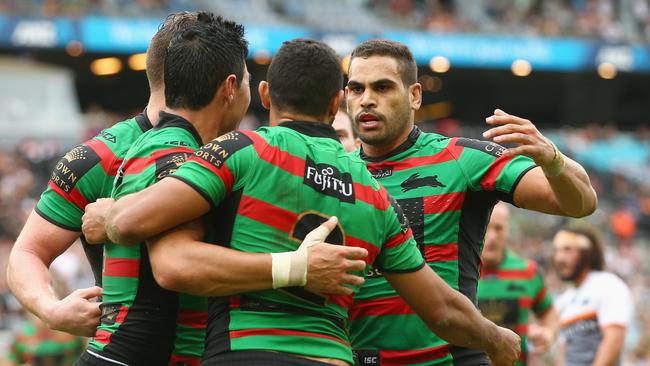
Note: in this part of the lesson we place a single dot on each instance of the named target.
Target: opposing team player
(447, 188)
(269, 188)
(511, 288)
(83, 175)
(596, 311)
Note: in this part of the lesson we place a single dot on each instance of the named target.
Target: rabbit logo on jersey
(329, 180)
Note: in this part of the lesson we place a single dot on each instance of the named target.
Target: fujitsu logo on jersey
(329, 180)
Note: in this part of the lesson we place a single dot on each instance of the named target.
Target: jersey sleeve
(215, 168)
(80, 177)
(616, 305)
(487, 169)
(541, 298)
(399, 253)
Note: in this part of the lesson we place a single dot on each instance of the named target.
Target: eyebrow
(374, 83)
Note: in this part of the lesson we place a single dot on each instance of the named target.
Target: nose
(368, 99)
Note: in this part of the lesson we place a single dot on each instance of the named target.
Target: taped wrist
(556, 166)
(289, 268)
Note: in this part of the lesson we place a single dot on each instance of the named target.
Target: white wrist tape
(556, 166)
(289, 268)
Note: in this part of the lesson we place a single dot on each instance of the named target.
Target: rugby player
(447, 188)
(138, 325)
(512, 287)
(83, 175)
(343, 126)
(596, 311)
(270, 187)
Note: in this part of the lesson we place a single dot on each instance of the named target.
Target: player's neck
(206, 122)
(495, 263)
(379, 150)
(277, 117)
(155, 105)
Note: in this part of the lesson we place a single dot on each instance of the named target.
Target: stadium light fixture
(106, 66)
(521, 68)
(74, 48)
(607, 70)
(439, 64)
(430, 83)
(138, 62)
(262, 57)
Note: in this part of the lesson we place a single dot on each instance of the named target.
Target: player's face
(343, 126)
(496, 236)
(567, 253)
(378, 100)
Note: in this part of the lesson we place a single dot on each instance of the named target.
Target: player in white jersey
(596, 310)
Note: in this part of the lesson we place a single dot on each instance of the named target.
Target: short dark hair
(157, 49)
(408, 69)
(304, 76)
(200, 57)
(593, 257)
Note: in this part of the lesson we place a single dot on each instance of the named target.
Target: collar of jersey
(143, 121)
(172, 120)
(410, 141)
(313, 129)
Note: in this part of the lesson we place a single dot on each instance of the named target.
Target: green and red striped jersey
(508, 293)
(269, 189)
(85, 174)
(447, 188)
(34, 345)
(142, 323)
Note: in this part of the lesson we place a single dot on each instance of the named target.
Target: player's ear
(228, 88)
(415, 96)
(335, 103)
(265, 96)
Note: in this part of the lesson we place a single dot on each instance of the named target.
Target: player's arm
(38, 244)
(544, 332)
(182, 262)
(558, 185)
(135, 217)
(609, 350)
(452, 316)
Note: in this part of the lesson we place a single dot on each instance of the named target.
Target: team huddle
(277, 246)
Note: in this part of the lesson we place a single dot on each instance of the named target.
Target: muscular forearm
(29, 280)
(203, 269)
(573, 191)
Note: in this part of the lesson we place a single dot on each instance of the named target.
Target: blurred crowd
(609, 20)
(618, 163)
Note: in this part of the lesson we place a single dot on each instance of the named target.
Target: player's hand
(94, 219)
(328, 265)
(505, 351)
(77, 313)
(512, 129)
(541, 337)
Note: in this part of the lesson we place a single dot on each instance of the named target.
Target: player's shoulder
(607, 280)
(122, 134)
(476, 148)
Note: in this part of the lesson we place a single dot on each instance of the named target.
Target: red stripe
(397, 357)
(192, 318)
(281, 332)
(102, 336)
(489, 180)
(110, 163)
(377, 307)
(224, 172)
(373, 251)
(441, 252)
(343, 301)
(267, 213)
(121, 315)
(443, 202)
(184, 360)
(525, 302)
(514, 274)
(521, 329)
(376, 198)
(136, 165)
(122, 267)
(74, 196)
(452, 151)
(540, 296)
(398, 239)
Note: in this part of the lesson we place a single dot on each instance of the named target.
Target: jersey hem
(194, 187)
(52, 221)
(511, 194)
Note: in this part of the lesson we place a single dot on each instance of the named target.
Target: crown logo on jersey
(227, 137)
(178, 160)
(78, 153)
